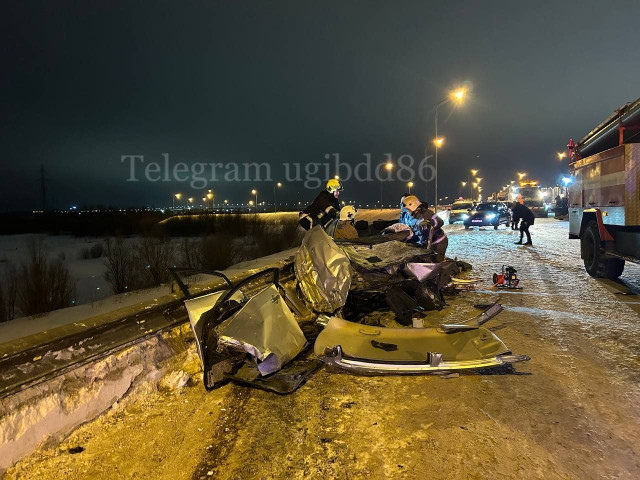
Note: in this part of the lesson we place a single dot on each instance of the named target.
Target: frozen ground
(571, 412)
(86, 273)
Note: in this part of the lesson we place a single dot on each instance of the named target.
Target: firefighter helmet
(334, 185)
(410, 202)
(348, 213)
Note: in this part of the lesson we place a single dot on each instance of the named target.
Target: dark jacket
(420, 222)
(321, 211)
(522, 212)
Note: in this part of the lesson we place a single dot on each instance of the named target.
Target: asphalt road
(571, 412)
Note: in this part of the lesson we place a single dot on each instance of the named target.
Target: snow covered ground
(87, 273)
(569, 413)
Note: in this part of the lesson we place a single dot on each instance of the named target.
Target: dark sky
(207, 81)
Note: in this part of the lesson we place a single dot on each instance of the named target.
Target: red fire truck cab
(604, 197)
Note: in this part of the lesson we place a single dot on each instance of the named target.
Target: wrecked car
(367, 302)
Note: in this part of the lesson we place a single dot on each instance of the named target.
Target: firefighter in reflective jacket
(425, 225)
(345, 225)
(323, 210)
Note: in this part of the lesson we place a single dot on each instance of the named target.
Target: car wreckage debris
(323, 271)
(266, 329)
(341, 293)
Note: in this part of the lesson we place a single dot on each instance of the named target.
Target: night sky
(206, 81)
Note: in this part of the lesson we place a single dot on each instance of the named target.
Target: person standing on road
(425, 225)
(322, 211)
(526, 217)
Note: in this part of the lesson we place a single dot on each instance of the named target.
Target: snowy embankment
(49, 411)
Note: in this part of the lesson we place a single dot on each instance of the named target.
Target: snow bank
(48, 412)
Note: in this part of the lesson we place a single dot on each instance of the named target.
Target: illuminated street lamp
(561, 155)
(255, 192)
(279, 185)
(388, 167)
(410, 185)
(438, 142)
(521, 175)
(462, 185)
(210, 197)
(474, 172)
(456, 96)
(173, 200)
(190, 199)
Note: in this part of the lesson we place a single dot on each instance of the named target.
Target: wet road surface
(571, 412)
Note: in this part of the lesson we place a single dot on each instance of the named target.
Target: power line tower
(43, 188)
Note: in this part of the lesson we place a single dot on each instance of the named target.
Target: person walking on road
(526, 217)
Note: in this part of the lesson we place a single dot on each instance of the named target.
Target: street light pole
(278, 184)
(436, 161)
(388, 166)
(456, 96)
(255, 192)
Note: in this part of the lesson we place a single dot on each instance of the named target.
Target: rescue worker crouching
(526, 217)
(345, 225)
(322, 211)
(425, 225)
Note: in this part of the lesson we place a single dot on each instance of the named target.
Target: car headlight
(491, 216)
(465, 216)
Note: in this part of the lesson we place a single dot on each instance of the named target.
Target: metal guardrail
(39, 363)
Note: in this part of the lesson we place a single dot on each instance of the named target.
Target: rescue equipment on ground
(507, 278)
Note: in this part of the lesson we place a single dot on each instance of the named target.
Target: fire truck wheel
(595, 263)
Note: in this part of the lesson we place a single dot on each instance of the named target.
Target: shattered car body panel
(199, 305)
(323, 271)
(365, 349)
(266, 329)
(383, 255)
(434, 365)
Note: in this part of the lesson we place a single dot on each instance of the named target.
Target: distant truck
(532, 197)
(604, 196)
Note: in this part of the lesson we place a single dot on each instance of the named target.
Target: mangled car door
(323, 271)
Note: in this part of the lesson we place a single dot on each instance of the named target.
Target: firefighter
(425, 225)
(345, 225)
(323, 210)
(526, 217)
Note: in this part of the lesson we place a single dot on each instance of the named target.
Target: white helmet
(410, 202)
(348, 213)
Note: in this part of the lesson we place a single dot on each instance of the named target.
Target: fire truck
(604, 196)
(532, 197)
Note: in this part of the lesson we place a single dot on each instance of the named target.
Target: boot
(528, 243)
(519, 242)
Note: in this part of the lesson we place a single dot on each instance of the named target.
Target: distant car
(460, 211)
(488, 214)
